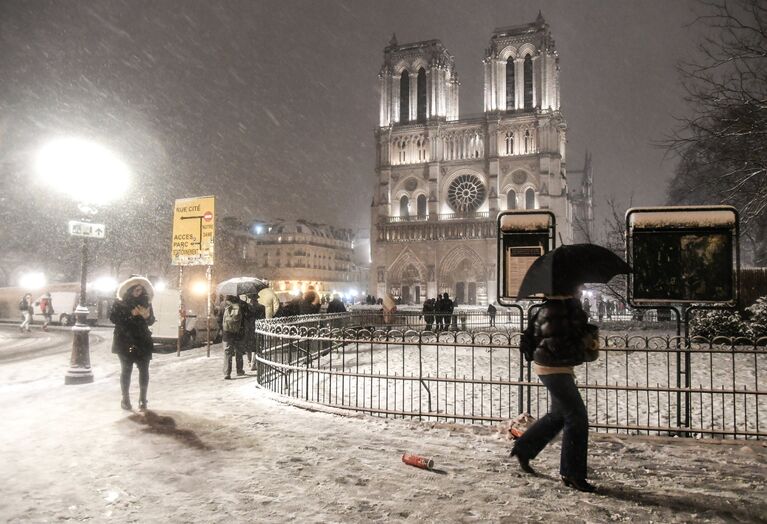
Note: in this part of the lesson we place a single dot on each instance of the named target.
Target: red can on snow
(417, 461)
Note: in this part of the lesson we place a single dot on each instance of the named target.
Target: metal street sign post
(193, 244)
(80, 361)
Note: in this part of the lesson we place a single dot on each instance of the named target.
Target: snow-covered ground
(213, 450)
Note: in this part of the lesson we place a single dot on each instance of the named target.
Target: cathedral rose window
(466, 193)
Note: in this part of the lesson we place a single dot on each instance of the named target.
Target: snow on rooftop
(682, 217)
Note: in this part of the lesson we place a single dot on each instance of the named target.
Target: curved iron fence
(640, 384)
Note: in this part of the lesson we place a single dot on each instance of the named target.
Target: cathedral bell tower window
(404, 204)
(509, 142)
(511, 200)
(421, 205)
(528, 81)
(404, 98)
(421, 95)
(530, 199)
(510, 84)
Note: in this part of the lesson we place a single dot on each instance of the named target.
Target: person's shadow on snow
(685, 502)
(164, 425)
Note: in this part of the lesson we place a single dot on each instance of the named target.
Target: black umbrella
(561, 271)
(241, 286)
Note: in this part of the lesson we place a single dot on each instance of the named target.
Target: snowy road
(15, 345)
(214, 450)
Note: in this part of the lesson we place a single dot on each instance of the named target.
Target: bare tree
(723, 145)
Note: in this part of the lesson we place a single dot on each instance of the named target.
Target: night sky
(271, 106)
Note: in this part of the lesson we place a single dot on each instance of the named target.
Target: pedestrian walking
(46, 308)
(255, 311)
(268, 298)
(587, 307)
(26, 308)
(491, 312)
(132, 314)
(310, 304)
(558, 338)
(600, 308)
(232, 319)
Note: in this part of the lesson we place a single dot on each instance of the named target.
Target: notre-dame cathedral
(443, 178)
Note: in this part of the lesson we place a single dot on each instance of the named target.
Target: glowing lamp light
(160, 285)
(104, 284)
(296, 291)
(32, 280)
(200, 288)
(85, 171)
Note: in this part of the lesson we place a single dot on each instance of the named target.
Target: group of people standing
(438, 311)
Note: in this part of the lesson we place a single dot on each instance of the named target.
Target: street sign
(87, 229)
(523, 236)
(683, 255)
(193, 231)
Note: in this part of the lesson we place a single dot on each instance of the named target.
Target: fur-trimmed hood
(123, 288)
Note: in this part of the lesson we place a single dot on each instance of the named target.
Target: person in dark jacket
(310, 304)
(491, 312)
(557, 339)
(132, 314)
(232, 317)
(336, 306)
(254, 312)
(428, 312)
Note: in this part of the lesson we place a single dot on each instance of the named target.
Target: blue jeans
(567, 414)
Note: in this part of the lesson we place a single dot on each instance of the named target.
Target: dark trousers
(567, 414)
(126, 363)
(233, 348)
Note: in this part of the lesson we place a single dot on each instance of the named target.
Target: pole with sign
(193, 243)
(79, 371)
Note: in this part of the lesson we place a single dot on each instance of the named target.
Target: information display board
(683, 255)
(193, 231)
(523, 236)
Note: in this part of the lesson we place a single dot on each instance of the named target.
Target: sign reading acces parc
(193, 231)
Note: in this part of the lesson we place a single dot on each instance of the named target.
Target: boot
(125, 404)
(579, 484)
(524, 463)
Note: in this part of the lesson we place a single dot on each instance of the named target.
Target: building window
(528, 142)
(402, 152)
(511, 200)
(509, 142)
(510, 84)
(465, 194)
(421, 205)
(528, 78)
(404, 97)
(403, 206)
(421, 95)
(530, 199)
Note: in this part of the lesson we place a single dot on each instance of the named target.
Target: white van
(165, 328)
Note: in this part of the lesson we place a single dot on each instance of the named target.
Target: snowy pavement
(213, 450)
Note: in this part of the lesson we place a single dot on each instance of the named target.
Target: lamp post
(92, 176)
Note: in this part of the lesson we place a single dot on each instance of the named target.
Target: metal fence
(643, 385)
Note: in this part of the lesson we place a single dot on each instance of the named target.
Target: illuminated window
(528, 80)
(402, 151)
(404, 97)
(511, 200)
(510, 84)
(530, 199)
(421, 95)
(528, 142)
(509, 142)
(403, 206)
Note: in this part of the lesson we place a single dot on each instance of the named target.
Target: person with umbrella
(234, 317)
(557, 339)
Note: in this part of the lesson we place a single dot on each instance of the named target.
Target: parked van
(165, 328)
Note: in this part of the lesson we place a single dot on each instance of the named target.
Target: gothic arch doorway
(464, 276)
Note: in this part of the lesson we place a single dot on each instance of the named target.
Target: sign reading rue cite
(193, 231)
(87, 229)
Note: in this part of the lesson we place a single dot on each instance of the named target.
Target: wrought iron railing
(645, 385)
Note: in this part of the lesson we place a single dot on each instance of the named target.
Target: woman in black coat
(558, 338)
(132, 315)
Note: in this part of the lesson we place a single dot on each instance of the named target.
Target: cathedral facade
(441, 179)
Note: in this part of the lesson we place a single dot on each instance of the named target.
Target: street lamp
(92, 176)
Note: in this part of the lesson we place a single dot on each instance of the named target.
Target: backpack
(44, 305)
(23, 305)
(232, 321)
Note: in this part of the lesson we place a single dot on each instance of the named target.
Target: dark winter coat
(131, 335)
(557, 334)
(310, 305)
(428, 310)
(246, 315)
(336, 306)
